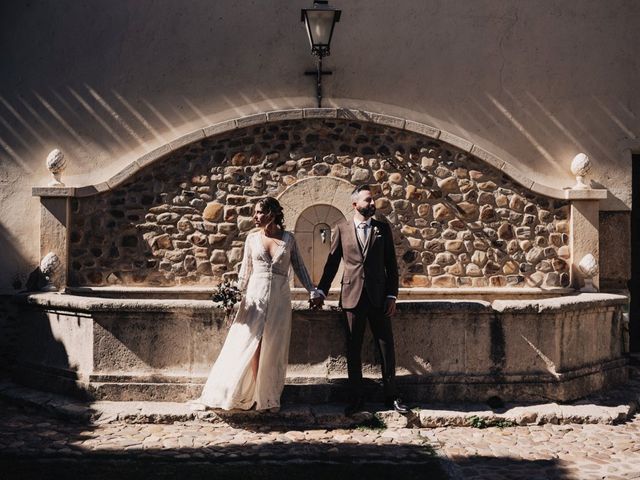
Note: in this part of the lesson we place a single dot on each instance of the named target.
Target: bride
(251, 367)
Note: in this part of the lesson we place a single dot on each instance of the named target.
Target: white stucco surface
(532, 82)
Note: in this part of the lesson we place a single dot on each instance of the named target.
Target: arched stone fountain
(489, 301)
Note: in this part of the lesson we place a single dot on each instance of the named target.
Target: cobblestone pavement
(139, 443)
(37, 445)
(580, 452)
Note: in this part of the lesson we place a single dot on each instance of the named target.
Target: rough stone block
(279, 115)
(458, 142)
(422, 129)
(219, 128)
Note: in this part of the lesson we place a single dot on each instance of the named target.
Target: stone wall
(457, 221)
(556, 349)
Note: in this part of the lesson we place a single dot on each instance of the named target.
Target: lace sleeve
(299, 268)
(246, 267)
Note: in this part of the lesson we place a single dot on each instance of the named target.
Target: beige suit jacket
(373, 272)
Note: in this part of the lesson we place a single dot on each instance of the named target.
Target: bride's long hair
(272, 206)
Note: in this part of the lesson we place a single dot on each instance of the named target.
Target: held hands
(316, 302)
(317, 299)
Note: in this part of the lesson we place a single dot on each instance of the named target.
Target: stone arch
(373, 118)
(310, 203)
(309, 192)
(458, 221)
(313, 235)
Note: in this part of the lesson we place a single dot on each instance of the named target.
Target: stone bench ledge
(98, 303)
(567, 302)
(404, 293)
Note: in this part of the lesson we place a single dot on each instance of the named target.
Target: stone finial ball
(56, 162)
(580, 165)
(49, 264)
(588, 266)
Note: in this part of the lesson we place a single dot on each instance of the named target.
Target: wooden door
(313, 234)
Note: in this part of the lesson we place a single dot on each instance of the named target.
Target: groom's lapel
(373, 234)
(353, 238)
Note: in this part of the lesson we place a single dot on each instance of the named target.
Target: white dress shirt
(367, 231)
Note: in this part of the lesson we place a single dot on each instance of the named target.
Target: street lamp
(320, 22)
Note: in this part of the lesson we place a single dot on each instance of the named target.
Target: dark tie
(362, 234)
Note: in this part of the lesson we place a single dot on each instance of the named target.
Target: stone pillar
(54, 223)
(584, 238)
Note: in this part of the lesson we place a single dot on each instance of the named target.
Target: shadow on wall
(40, 348)
(13, 277)
(25, 332)
(101, 114)
(14, 266)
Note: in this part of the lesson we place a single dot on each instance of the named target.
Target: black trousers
(355, 322)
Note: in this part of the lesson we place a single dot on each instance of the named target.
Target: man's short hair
(358, 189)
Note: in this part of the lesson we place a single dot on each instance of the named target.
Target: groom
(369, 291)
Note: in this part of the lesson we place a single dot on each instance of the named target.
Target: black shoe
(397, 405)
(354, 407)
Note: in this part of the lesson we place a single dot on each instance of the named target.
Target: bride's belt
(268, 271)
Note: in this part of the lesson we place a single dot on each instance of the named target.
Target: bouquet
(225, 296)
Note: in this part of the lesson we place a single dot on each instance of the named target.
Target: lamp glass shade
(319, 22)
(320, 27)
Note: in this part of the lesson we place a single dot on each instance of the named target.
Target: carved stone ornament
(56, 163)
(49, 265)
(580, 166)
(588, 266)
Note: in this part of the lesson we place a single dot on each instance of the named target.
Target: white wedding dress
(264, 314)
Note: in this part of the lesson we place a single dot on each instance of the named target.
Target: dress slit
(263, 319)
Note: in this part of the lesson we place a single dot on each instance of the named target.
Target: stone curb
(329, 415)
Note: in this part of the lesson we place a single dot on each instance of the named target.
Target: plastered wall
(532, 82)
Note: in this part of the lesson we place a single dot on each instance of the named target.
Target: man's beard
(367, 212)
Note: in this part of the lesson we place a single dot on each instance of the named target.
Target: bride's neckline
(277, 251)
